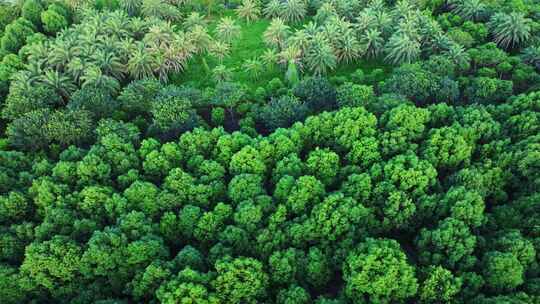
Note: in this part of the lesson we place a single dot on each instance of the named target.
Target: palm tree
(36, 68)
(269, 58)
(175, 56)
(311, 28)
(276, 33)
(372, 43)
(249, 10)
(142, 63)
(469, 9)
(221, 74)
(132, 7)
(290, 54)
(326, 11)
(458, 55)
(384, 22)
(320, 57)
(94, 78)
(300, 39)
(220, 50)
(227, 30)
(62, 84)
(332, 31)
(429, 29)
(37, 52)
(60, 55)
(158, 36)
(510, 30)
(194, 19)
(151, 8)
(335, 28)
(24, 81)
(403, 9)
(366, 20)
(409, 28)
(402, 49)
(253, 68)
(531, 55)
(117, 25)
(440, 42)
(159, 9)
(124, 48)
(200, 39)
(273, 9)
(76, 68)
(348, 48)
(377, 5)
(109, 63)
(294, 10)
(138, 26)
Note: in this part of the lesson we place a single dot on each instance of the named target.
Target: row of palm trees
(401, 34)
(398, 34)
(291, 11)
(108, 49)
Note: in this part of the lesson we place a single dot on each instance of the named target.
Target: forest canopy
(274, 151)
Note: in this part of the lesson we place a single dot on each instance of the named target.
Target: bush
(317, 93)
(53, 22)
(96, 101)
(15, 35)
(282, 112)
(31, 10)
(354, 95)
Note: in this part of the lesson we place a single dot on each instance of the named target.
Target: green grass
(251, 45)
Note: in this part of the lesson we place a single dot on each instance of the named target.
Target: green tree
(293, 295)
(170, 111)
(323, 164)
(355, 95)
(377, 271)
(241, 280)
(54, 265)
(189, 286)
(286, 266)
(15, 35)
(439, 286)
(502, 271)
(450, 244)
(245, 186)
(340, 217)
(448, 147)
(300, 195)
(247, 161)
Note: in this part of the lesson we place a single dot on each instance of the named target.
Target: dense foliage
(349, 152)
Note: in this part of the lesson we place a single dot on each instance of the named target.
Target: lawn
(250, 45)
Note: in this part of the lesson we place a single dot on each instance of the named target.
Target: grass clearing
(250, 45)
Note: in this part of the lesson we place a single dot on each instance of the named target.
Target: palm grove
(281, 151)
